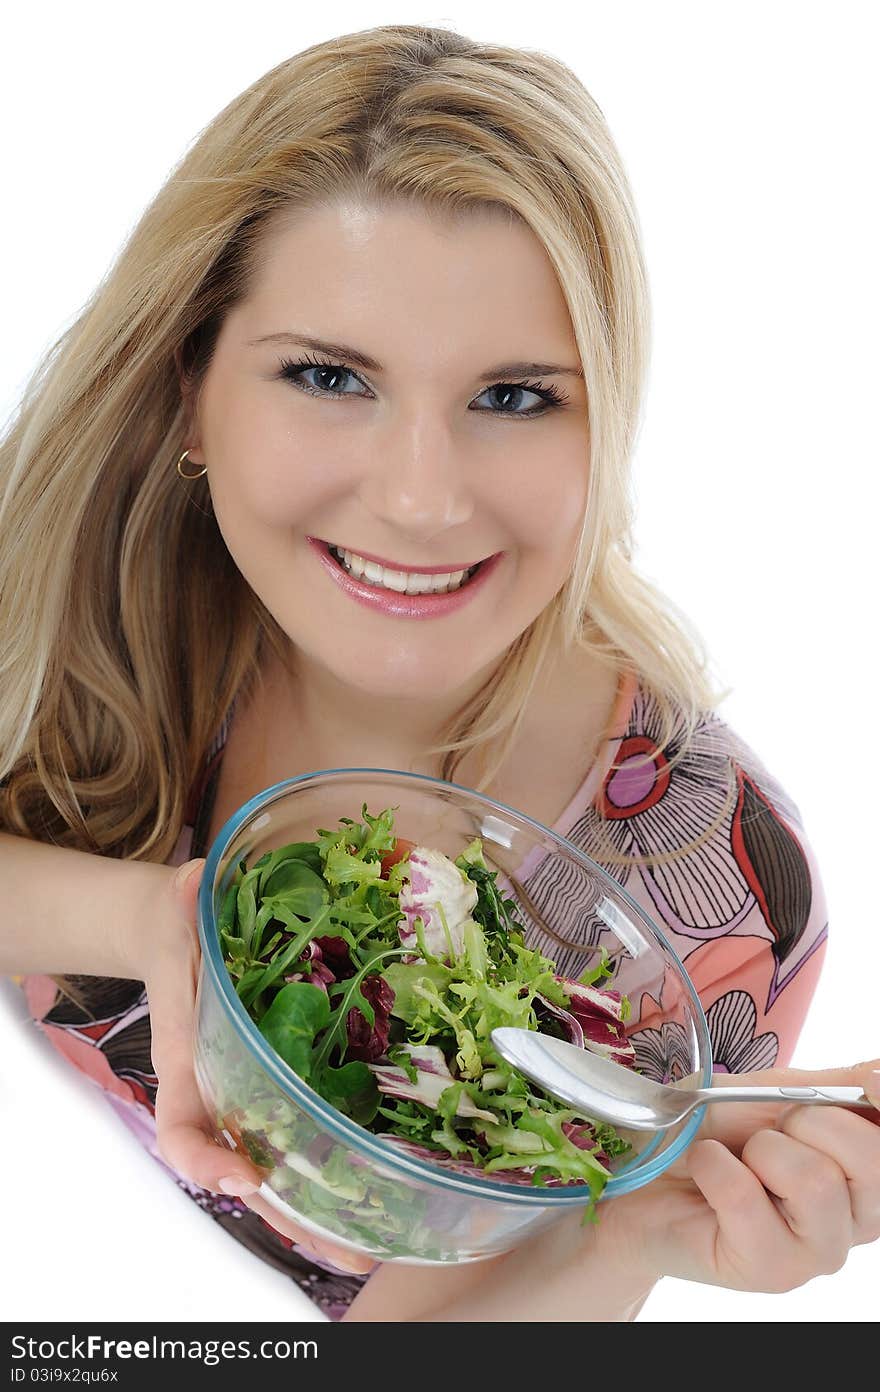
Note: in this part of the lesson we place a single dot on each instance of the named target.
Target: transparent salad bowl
(333, 1176)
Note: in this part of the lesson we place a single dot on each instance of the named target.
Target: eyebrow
(352, 355)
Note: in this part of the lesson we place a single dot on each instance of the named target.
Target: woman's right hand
(183, 1127)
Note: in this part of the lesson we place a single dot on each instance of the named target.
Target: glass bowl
(331, 1175)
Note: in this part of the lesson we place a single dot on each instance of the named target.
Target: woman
(389, 316)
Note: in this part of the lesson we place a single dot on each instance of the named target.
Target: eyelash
(289, 371)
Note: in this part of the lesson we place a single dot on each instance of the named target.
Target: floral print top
(745, 911)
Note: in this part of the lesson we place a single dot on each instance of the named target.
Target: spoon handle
(833, 1096)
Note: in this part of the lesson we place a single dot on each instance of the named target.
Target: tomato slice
(399, 851)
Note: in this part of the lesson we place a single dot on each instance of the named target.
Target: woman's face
(408, 445)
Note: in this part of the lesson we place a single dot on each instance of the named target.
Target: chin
(404, 678)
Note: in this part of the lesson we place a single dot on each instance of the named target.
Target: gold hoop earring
(202, 471)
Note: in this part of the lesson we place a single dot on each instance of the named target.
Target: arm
(567, 1273)
(74, 913)
(68, 911)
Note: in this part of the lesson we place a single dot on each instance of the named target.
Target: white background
(749, 136)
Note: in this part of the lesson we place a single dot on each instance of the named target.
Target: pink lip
(404, 606)
(395, 565)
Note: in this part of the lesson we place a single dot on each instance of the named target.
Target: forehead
(351, 266)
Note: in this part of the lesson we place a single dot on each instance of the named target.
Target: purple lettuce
(320, 974)
(335, 952)
(573, 1031)
(436, 890)
(581, 1134)
(600, 1017)
(368, 1042)
(432, 1078)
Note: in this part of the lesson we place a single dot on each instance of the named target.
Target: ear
(187, 399)
(184, 379)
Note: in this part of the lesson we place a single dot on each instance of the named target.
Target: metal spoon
(610, 1092)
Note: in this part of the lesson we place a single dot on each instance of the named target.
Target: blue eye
(329, 371)
(548, 396)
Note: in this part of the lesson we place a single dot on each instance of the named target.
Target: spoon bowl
(610, 1092)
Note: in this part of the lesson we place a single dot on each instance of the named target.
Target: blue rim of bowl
(630, 1177)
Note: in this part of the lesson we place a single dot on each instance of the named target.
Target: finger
(814, 1199)
(754, 1247)
(185, 1140)
(182, 1118)
(854, 1074)
(871, 1083)
(852, 1141)
(183, 1127)
(185, 893)
(732, 1123)
(355, 1262)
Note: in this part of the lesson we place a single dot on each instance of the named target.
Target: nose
(416, 481)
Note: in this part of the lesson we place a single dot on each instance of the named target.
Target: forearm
(70, 912)
(565, 1273)
(549, 1297)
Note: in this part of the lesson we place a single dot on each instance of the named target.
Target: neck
(341, 722)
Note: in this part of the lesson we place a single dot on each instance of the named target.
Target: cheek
(268, 465)
(543, 502)
(275, 485)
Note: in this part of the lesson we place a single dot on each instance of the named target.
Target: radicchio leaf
(433, 1078)
(367, 1042)
(600, 1016)
(435, 883)
(335, 952)
(320, 974)
(573, 1032)
(580, 1133)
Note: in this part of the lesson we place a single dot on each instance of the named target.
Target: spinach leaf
(296, 1015)
(297, 887)
(350, 1089)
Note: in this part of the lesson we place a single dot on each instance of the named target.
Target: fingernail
(873, 1088)
(233, 1184)
(184, 873)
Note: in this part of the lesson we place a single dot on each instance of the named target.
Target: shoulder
(707, 841)
(671, 781)
(729, 844)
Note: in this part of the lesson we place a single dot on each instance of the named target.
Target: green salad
(377, 969)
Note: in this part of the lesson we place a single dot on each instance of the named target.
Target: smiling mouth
(410, 582)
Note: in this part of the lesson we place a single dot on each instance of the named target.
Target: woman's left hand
(769, 1195)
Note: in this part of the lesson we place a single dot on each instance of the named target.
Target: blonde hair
(126, 628)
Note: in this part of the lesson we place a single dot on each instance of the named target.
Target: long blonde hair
(126, 629)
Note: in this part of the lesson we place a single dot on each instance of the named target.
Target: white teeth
(395, 580)
(353, 562)
(404, 582)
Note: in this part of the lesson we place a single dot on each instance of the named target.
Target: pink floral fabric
(745, 911)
